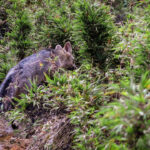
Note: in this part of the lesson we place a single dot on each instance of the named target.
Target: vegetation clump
(93, 31)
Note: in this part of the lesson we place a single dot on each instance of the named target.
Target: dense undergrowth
(107, 97)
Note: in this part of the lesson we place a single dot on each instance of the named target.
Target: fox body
(34, 67)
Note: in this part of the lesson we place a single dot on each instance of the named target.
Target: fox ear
(58, 47)
(68, 47)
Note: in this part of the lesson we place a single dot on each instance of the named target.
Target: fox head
(65, 57)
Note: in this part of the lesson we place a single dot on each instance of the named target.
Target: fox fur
(34, 67)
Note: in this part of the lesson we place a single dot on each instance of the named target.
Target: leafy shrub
(104, 120)
(3, 23)
(93, 30)
(20, 34)
(20, 25)
(57, 25)
(4, 29)
(133, 48)
(5, 63)
(4, 66)
(126, 121)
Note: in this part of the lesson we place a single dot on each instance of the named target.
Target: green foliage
(3, 66)
(93, 31)
(90, 34)
(58, 26)
(4, 28)
(6, 62)
(20, 31)
(133, 48)
(100, 123)
(127, 120)
(3, 23)
(36, 100)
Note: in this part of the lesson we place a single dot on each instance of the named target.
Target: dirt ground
(50, 133)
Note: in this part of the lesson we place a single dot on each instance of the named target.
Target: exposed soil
(47, 131)
(8, 140)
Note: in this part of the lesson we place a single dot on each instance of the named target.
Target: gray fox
(34, 67)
